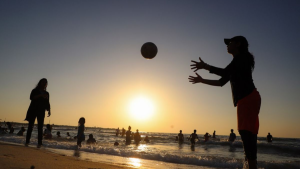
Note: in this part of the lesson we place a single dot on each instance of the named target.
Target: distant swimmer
(232, 136)
(269, 138)
(91, 139)
(180, 137)
(206, 137)
(146, 139)
(193, 137)
(128, 135)
(22, 130)
(214, 134)
(123, 131)
(137, 136)
(58, 134)
(117, 131)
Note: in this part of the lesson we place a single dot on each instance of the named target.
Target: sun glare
(141, 108)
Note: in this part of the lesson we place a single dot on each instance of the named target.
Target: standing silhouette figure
(39, 104)
(245, 96)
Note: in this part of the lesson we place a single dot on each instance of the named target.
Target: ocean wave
(127, 151)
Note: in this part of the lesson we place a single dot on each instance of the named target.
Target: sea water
(163, 151)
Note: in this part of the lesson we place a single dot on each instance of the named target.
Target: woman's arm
(211, 82)
(199, 79)
(48, 107)
(211, 69)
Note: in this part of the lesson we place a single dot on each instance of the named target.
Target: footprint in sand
(8, 155)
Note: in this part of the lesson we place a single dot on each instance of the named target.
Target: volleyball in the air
(149, 50)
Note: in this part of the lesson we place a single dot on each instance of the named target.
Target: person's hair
(243, 49)
(39, 83)
(82, 119)
(249, 57)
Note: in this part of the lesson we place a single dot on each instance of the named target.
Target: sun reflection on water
(135, 162)
(141, 148)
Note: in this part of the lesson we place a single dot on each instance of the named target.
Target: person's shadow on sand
(76, 153)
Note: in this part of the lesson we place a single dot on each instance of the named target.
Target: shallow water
(164, 151)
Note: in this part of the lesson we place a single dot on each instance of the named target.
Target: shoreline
(15, 155)
(18, 156)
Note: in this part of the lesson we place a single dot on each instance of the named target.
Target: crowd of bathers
(129, 135)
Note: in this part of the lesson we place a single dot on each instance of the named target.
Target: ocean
(163, 151)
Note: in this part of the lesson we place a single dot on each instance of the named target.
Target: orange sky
(90, 54)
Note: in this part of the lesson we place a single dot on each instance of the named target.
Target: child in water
(22, 130)
(91, 139)
(58, 134)
(47, 132)
(80, 134)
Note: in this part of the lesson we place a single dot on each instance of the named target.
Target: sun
(141, 108)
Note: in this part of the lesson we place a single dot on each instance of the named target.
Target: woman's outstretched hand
(195, 79)
(198, 65)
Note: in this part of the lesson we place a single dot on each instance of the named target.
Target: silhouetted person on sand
(39, 104)
(117, 131)
(244, 93)
(269, 138)
(80, 133)
(47, 132)
(193, 137)
(91, 139)
(128, 135)
(68, 134)
(180, 137)
(137, 136)
(22, 130)
(206, 137)
(232, 136)
(214, 134)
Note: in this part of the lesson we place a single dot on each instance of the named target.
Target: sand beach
(14, 156)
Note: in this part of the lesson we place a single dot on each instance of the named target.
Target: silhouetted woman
(244, 93)
(39, 104)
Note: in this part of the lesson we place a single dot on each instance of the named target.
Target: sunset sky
(90, 53)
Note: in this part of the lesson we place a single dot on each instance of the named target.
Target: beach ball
(149, 50)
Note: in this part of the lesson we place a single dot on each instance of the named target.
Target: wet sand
(17, 156)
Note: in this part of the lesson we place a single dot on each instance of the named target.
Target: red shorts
(247, 112)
